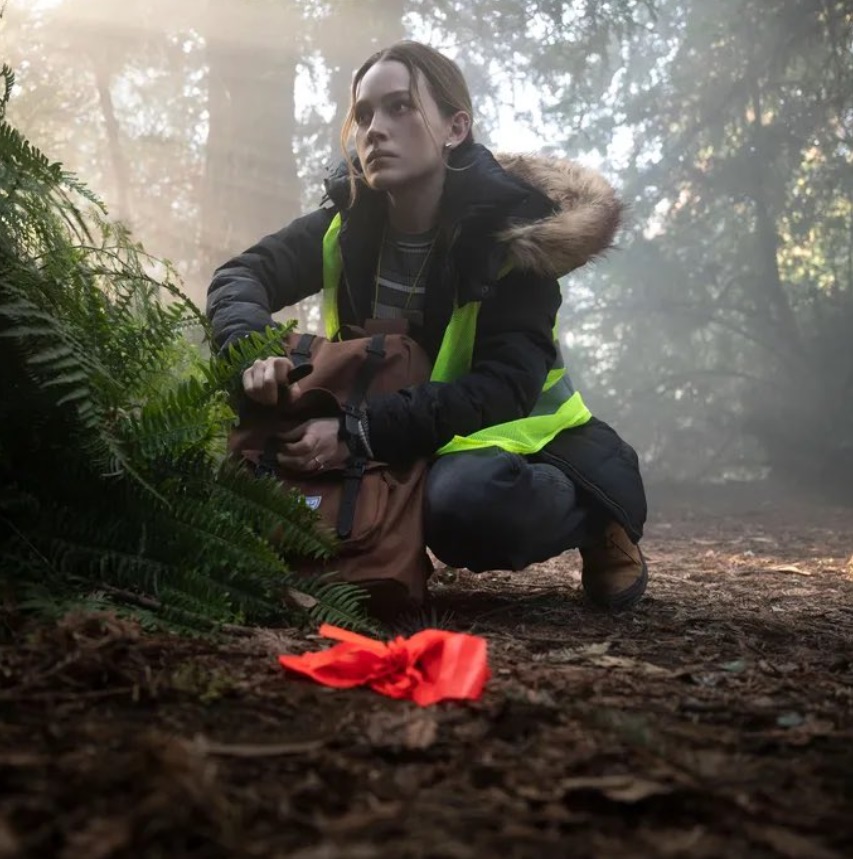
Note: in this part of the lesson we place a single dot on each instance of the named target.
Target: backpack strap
(301, 352)
(353, 411)
(352, 417)
(268, 460)
(300, 357)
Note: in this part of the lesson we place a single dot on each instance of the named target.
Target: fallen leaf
(298, 599)
(705, 678)
(574, 654)
(421, 731)
(597, 655)
(596, 649)
(790, 720)
(415, 729)
(789, 568)
(620, 788)
(736, 667)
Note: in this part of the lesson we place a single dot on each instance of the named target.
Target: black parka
(487, 215)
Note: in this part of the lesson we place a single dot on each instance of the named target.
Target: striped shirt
(402, 276)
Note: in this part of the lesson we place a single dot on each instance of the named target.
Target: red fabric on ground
(431, 666)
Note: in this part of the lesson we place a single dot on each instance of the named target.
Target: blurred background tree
(716, 336)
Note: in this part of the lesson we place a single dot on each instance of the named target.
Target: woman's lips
(378, 156)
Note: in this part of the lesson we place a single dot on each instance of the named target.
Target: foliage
(115, 486)
(729, 307)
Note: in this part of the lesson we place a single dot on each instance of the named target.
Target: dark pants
(493, 510)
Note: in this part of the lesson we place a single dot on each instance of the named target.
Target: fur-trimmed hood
(587, 217)
(556, 214)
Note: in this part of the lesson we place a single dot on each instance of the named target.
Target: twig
(252, 750)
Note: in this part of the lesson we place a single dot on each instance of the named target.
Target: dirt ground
(716, 720)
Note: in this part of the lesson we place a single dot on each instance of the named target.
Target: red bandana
(433, 665)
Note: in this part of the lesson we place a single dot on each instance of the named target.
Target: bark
(251, 185)
(767, 237)
(355, 31)
(120, 171)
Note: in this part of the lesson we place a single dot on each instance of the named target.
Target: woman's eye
(400, 106)
(362, 117)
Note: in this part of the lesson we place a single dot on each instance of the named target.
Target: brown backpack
(374, 509)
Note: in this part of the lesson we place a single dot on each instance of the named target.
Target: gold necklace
(417, 280)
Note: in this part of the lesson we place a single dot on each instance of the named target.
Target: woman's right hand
(262, 380)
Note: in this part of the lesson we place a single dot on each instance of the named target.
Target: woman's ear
(460, 126)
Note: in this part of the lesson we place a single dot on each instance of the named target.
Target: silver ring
(319, 462)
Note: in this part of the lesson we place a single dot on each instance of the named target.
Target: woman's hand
(313, 446)
(262, 380)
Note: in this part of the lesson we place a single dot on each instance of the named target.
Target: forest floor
(715, 720)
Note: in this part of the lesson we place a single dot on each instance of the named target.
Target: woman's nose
(377, 127)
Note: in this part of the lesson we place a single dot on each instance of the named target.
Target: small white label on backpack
(313, 501)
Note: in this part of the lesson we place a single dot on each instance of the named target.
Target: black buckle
(352, 419)
(268, 460)
(355, 468)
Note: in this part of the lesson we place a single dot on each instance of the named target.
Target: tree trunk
(251, 185)
(786, 332)
(120, 172)
(355, 31)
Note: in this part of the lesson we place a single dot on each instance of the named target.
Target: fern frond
(337, 603)
(224, 371)
(270, 508)
(176, 423)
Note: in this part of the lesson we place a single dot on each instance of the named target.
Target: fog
(715, 335)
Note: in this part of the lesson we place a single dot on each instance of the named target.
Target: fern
(264, 503)
(341, 605)
(224, 371)
(113, 427)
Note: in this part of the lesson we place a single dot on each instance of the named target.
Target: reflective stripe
(558, 407)
(457, 345)
(527, 435)
(553, 395)
(333, 267)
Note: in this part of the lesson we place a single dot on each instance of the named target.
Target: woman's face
(397, 144)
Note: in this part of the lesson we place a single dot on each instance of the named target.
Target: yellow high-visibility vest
(558, 407)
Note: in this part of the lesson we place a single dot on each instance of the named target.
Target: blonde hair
(444, 78)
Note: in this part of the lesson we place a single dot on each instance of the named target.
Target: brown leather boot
(614, 574)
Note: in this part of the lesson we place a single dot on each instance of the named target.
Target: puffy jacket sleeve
(278, 271)
(513, 352)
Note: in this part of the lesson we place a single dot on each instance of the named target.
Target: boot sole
(624, 599)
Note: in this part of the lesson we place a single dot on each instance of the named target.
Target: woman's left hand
(313, 446)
